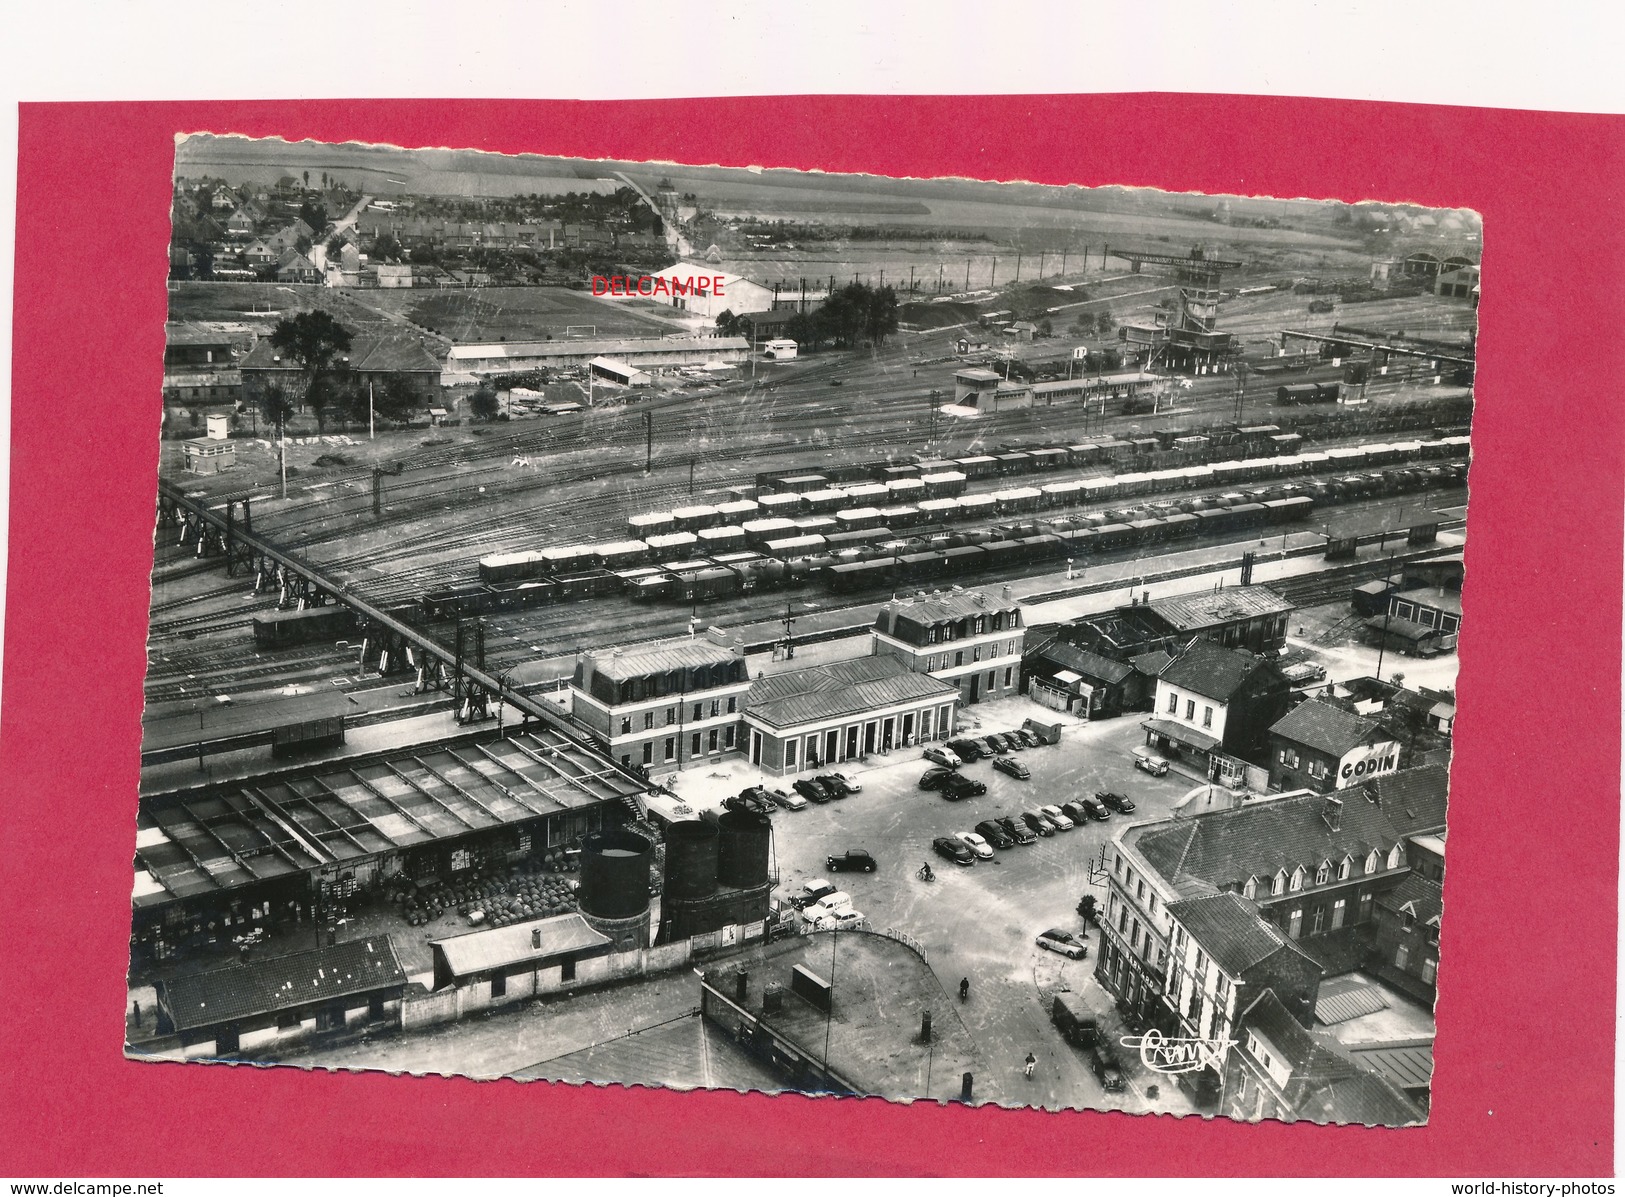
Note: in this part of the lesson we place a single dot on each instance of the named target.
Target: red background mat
(1523, 1083)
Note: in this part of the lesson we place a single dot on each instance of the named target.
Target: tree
(1105, 324)
(302, 244)
(880, 315)
(314, 340)
(1046, 327)
(483, 402)
(276, 408)
(307, 178)
(729, 325)
(335, 247)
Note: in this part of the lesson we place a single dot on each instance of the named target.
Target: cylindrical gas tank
(691, 859)
(615, 874)
(744, 850)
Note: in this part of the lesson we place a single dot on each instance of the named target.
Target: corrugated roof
(1408, 1064)
(243, 991)
(1070, 656)
(1407, 629)
(1212, 670)
(1193, 612)
(595, 346)
(838, 690)
(1324, 1086)
(1325, 727)
(498, 947)
(1345, 998)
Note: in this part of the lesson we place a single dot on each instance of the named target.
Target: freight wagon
(275, 629)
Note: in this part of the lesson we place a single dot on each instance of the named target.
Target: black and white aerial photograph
(655, 624)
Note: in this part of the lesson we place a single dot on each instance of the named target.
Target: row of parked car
(826, 787)
(946, 760)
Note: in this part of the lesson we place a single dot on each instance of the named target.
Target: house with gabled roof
(1067, 678)
(294, 267)
(1321, 745)
(240, 223)
(1212, 701)
(1279, 1069)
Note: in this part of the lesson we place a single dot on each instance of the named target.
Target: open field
(516, 313)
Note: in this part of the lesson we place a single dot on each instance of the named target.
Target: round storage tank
(691, 859)
(746, 843)
(615, 874)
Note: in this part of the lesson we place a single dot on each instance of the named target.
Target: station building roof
(844, 689)
(1212, 608)
(521, 943)
(218, 837)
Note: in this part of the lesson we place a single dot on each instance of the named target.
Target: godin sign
(649, 285)
(1385, 760)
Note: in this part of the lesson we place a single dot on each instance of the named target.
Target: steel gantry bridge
(390, 644)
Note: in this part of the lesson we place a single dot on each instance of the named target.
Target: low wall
(448, 1005)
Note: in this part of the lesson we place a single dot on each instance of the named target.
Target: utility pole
(648, 442)
(1063, 263)
(967, 274)
(370, 429)
(1018, 265)
(691, 477)
(993, 278)
(789, 639)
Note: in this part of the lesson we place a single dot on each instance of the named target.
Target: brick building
(1214, 702)
(1320, 745)
(661, 706)
(812, 718)
(965, 638)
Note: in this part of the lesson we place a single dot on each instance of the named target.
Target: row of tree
(856, 314)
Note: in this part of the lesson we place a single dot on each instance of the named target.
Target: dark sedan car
(1096, 809)
(1013, 767)
(957, 786)
(836, 784)
(749, 803)
(999, 744)
(955, 850)
(809, 788)
(1028, 737)
(994, 834)
(932, 779)
(1121, 803)
(1076, 812)
(1038, 823)
(1017, 830)
(853, 860)
(968, 750)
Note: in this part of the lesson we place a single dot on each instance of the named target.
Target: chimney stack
(535, 938)
(1333, 812)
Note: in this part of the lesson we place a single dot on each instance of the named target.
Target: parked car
(956, 786)
(994, 834)
(1107, 1070)
(998, 743)
(941, 756)
(787, 801)
(1028, 737)
(1121, 803)
(841, 920)
(811, 893)
(957, 851)
(1064, 942)
(967, 750)
(836, 784)
(1074, 1020)
(987, 746)
(1062, 821)
(1153, 765)
(809, 788)
(1095, 809)
(852, 787)
(748, 803)
(932, 779)
(1017, 830)
(1013, 742)
(1075, 812)
(983, 850)
(829, 904)
(1038, 823)
(853, 860)
(1013, 767)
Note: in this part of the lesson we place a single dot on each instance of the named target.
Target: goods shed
(611, 370)
(1418, 525)
(324, 986)
(493, 956)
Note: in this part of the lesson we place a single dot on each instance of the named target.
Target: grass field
(516, 313)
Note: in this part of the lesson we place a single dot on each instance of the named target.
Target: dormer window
(1324, 873)
(1297, 878)
(1394, 857)
(1250, 890)
(1346, 868)
(1278, 886)
(1371, 861)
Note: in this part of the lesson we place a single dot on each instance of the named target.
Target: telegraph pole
(648, 442)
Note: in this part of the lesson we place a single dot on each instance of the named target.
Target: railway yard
(489, 607)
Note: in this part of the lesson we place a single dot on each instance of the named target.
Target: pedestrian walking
(1032, 1062)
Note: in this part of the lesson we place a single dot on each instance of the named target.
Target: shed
(616, 371)
(206, 456)
(554, 942)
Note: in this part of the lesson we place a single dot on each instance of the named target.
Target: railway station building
(962, 637)
(467, 364)
(298, 846)
(1214, 702)
(660, 707)
(808, 719)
